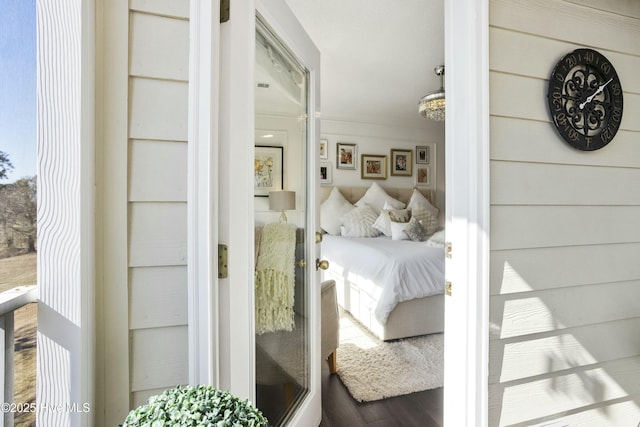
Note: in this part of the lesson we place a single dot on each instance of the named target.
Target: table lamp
(282, 201)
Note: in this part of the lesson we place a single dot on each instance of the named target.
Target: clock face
(585, 99)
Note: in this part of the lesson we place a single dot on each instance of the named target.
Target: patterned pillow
(332, 210)
(399, 220)
(359, 222)
(376, 197)
(400, 215)
(424, 211)
(416, 231)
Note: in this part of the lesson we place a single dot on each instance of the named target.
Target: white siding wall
(158, 106)
(153, 165)
(565, 235)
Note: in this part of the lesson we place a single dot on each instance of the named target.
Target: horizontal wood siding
(157, 47)
(158, 358)
(158, 234)
(565, 229)
(158, 109)
(157, 195)
(158, 172)
(169, 8)
(158, 297)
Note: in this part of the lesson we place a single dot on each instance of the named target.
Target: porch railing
(10, 301)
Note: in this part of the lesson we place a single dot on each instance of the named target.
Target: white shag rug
(372, 369)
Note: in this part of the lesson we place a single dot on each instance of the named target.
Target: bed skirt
(419, 316)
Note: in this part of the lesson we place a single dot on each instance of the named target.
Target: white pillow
(397, 231)
(359, 222)
(332, 210)
(376, 197)
(423, 211)
(437, 240)
(383, 223)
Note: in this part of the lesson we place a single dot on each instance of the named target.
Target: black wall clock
(585, 99)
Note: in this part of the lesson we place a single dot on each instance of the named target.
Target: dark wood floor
(339, 409)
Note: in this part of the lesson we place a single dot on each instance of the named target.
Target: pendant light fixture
(432, 104)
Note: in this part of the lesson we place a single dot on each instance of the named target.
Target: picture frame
(373, 166)
(326, 173)
(401, 162)
(268, 169)
(346, 156)
(324, 149)
(423, 154)
(423, 176)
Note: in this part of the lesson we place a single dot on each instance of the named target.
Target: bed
(393, 287)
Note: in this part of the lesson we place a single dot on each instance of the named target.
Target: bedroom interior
(371, 83)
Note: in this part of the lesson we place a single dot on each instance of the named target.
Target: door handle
(322, 265)
(318, 237)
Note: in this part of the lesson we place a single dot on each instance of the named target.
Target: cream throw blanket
(274, 278)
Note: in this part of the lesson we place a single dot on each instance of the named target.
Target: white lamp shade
(282, 200)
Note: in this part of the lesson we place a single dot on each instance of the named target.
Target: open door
(268, 161)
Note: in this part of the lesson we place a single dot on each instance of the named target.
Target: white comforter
(391, 271)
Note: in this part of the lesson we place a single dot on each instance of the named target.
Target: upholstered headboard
(353, 194)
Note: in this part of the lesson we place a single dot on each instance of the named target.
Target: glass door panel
(282, 275)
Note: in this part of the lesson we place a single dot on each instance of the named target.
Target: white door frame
(233, 117)
(236, 123)
(467, 209)
(286, 26)
(467, 212)
(202, 196)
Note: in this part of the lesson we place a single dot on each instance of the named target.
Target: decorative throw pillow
(399, 220)
(376, 197)
(332, 210)
(397, 231)
(437, 239)
(423, 211)
(383, 223)
(359, 222)
(416, 231)
(400, 215)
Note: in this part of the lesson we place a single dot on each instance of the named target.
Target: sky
(18, 86)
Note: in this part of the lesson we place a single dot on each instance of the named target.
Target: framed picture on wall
(268, 169)
(326, 175)
(423, 176)
(423, 155)
(324, 149)
(373, 167)
(401, 162)
(345, 156)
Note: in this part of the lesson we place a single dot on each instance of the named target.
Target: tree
(5, 165)
(18, 214)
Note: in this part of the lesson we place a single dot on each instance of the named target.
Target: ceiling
(377, 56)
